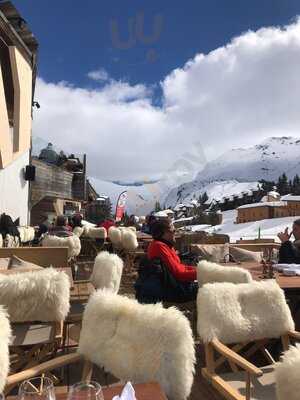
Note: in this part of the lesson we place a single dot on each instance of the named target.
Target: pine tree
(296, 185)
(283, 185)
(157, 206)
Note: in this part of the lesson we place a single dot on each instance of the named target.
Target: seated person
(60, 229)
(108, 223)
(163, 277)
(162, 247)
(147, 226)
(289, 252)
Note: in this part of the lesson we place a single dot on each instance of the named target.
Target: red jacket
(170, 258)
(107, 224)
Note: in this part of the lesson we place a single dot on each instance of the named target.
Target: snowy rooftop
(265, 204)
(290, 197)
(274, 194)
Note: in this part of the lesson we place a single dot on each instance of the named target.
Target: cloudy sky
(194, 86)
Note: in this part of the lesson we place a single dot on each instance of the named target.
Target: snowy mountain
(240, 169)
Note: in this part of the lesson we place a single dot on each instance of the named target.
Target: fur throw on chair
(208, 272)
(5, 335)
(36, 295)
(95, 233)
(287, 375)
(240, 313)
(72, 242)
(123, 238)
(115, 236)
(137, 342)
(78, 231)
(1, 240)
(129, 239)
(107, 271)
(26, 234)
(11, 241)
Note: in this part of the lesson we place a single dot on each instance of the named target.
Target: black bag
(155, 283)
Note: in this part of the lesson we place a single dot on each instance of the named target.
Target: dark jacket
(289, 253)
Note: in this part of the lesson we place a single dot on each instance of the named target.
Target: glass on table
(86, 391)
(40, 388)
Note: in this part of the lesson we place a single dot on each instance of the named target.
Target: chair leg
(87, 371)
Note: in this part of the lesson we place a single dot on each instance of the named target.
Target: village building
(293, 204)
(60, 186)
(18, 68)
(271, 206)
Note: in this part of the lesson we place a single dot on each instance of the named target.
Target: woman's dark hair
(61, 220)
(297, 222)
(159, 228)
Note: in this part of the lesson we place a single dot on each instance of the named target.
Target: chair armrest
(236, 358)
(58, 362)
(294, 335)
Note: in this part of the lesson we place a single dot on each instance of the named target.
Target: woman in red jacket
(162, 247)
(162, 276)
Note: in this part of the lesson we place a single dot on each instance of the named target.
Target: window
(7, 81)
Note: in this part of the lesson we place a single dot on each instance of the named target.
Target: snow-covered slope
(215, 190)
(269, 228)
(238, 167)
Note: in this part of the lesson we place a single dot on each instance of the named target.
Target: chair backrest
(36, 296)
(5, 334)
(208, 272)
(287, 375)
(43, 256)
(137, 342)
(240, 313)
(107, 271)
(71, 242)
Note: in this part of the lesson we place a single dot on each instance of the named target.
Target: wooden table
(290, 284)
(81, 290)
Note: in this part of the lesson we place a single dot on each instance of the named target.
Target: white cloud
(236, 95)
(99, 75)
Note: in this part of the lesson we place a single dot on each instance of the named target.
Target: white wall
(14, 189)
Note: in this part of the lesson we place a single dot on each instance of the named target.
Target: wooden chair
(115, 335)
(242, 318)
(37, 303)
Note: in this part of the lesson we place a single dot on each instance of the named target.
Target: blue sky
(75, 36)
(211, 76)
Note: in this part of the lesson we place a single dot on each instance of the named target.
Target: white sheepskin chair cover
(36, 296)
(1, 240)
(5, 335)
(26, 233)
(78, 231)
(107, 271)
(97, 233)
(209, 272)
(140, 343)
(115, 236)
(11, 241)
(71, 242)
(129, 239)
(132, 228)
(287, 375)
(240, 313)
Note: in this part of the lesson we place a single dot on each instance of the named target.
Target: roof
(161, 214)
(265, 204)
(273, 193)
(15, 31)
(290, 197)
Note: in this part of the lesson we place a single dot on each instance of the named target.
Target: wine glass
(86, 391)
(40, 388)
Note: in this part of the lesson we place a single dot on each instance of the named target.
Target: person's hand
(284, 236)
